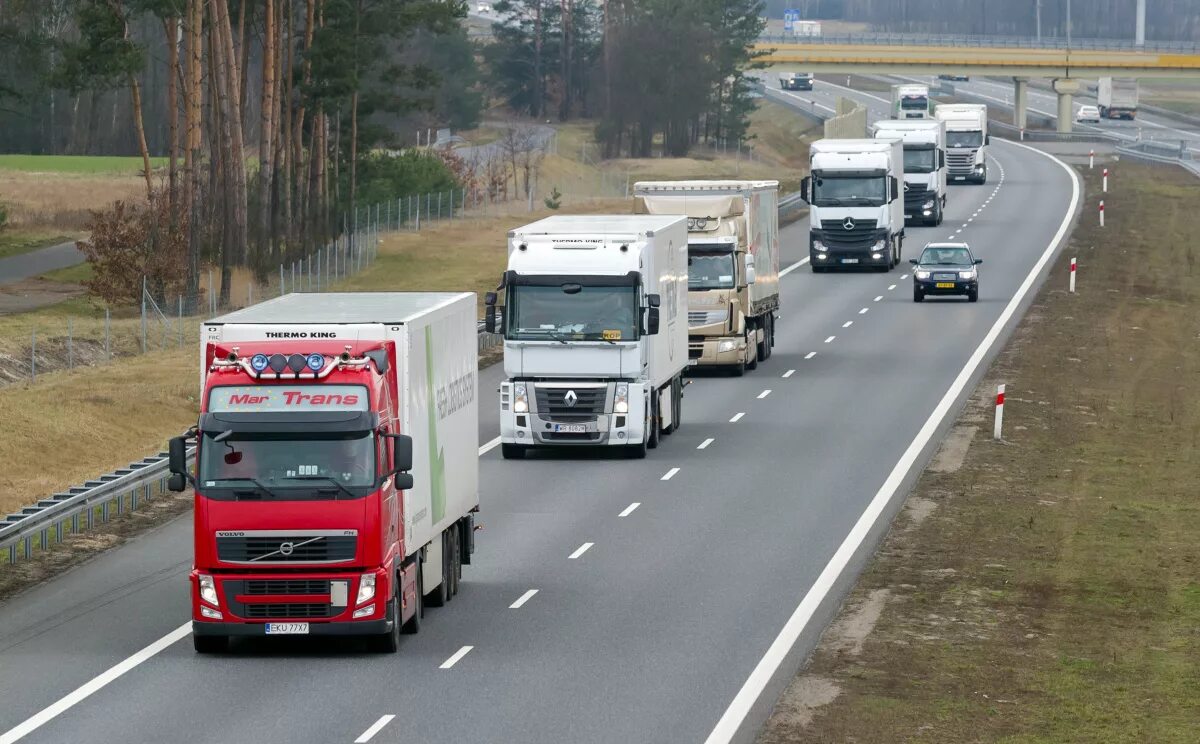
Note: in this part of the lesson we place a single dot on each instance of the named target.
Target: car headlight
(818, 245)
(621, 403)
(927, 205)
(208, 591)
(922, 274)
(725, 345)
(520, 399)
(966, 275)
(366, 588)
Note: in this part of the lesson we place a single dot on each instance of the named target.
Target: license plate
(850, 260)
(287, 628)
(571, 428)
(945, 285)
(960, 178)
(693, 362)
(908, 217)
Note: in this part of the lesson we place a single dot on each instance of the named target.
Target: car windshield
(964, 139)
(835, 191)
(287, 465)
(946, 257)
(572, 312)
(920, 161)
(710, 267)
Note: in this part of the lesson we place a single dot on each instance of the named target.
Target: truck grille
(695, 349)
(706, 317)
(557, 401)
(915, 196)
(275, 611)
(285, 586)
(835, 235)
(287, 549)
(961, 162)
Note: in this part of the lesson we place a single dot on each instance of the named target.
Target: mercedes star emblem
(848, 223)
(906, 185)
(570, 399)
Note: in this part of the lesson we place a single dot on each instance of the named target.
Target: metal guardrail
(965, 40)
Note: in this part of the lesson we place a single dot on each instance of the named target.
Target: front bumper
(957, 286)
(712, 351)
(315, 628)
(534, 428)
(849, 259)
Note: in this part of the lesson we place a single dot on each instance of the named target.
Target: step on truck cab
(924, 143)
(911, 101)
(336, 465)
(967, 140)
(856, 214)
(595, 331)
(733, 265)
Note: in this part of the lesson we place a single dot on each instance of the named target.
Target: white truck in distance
(595, 332)
(1117, 98)
(967, 139)
(796, 80)
(733, 265)
(924, 166)
(856, 216)
(910, 101)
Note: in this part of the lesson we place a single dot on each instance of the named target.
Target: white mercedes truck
(910, 101)
(595, 332)
(733, 265)
(856, 214)
(967, 139)
(924, 166)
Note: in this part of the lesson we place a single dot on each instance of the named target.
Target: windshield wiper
(327, 479)
(257, 484)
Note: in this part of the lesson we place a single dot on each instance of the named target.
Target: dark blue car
(946, 269)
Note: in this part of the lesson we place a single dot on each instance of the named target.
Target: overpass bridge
(910, 54)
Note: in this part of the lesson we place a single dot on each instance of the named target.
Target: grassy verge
(1177, 95)
(1045, 589)
(16, 241)
(77, 164)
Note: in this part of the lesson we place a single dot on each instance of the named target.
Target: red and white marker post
(1101, 213)
(1106, 180)
(1091, 159)
(1071, 287)
(999, 412)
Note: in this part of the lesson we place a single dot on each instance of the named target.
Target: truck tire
(388, 643)
(816, 269)
(413, 626)
(512, 451)
(763, 351)
(455, 559)
(655, 423)
(210, 644)
(440, 596)
(751, 349)
(636, 451)
(677, 416)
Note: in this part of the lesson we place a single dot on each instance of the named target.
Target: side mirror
(894, 188)
(404, 481)
(654, 300)
(402, 453)
(987, 140)
(912, 261)
(489, 319)
(176, 483)
(652, 320)
(941, 158)
(978, 261)
(177, 464)
(805, 187)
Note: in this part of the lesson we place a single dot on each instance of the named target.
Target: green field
(82, 164)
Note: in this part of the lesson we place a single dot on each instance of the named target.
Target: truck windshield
(572, 312)
(857, 191)
(964, 139)
(287, 465)
(710, 267)
(920, 161)
(920, 103)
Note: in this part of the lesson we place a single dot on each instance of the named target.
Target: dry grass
(62, 201)
(1178, 95)
(1047, 590)
(71, 426)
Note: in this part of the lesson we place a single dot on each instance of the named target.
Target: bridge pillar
(1020, 102)
(1065, 88)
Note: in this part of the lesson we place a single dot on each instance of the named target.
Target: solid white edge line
(483, 450)
(580, 551)
(376, 727)
(629, 509)
(793, 267)
(670, 474)
(95, 684)
(737, 417)
(457, 657)
(521, 600)
(729, 723)
(705, 443)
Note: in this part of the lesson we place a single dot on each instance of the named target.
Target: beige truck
(733, 265)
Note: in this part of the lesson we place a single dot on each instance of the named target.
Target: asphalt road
(34, 263)
(687, 613)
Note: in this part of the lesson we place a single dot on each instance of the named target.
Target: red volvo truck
(336, 465)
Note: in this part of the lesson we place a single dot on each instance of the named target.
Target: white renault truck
(967, 139)
(924, 166)
(595, 332)
(910, 101)
(733, 265)
(856, 215)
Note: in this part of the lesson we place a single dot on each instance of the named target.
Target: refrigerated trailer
(1117, 97)
(337, 465)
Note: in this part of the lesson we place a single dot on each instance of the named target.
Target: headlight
(927, 205)
(966, 275)
(621, 404)
(520, 399)
(208, 591)
(366, 588)
(725, 345)
(364, 612)
(818, 245)
(922, 274)
(879, 245)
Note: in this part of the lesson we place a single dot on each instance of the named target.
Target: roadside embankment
(1046, 588)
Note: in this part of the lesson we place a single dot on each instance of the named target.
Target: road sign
(790, 16)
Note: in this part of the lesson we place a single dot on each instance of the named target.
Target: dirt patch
(1052, 595)
(797, 707)
(953, 451)
(31, 294)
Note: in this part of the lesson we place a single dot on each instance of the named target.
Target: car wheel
(918, 296)
(973, 296)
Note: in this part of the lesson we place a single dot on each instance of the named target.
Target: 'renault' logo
(570, 399)
(848, 223)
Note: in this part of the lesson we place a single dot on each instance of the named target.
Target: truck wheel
(677, 415)
(440, 596)
(675, 388)
(413, 626)
(388, 643)
(636, 451)
(817, 269)
(655, 423)
(512, 451)
(752, 350)
(764, 346)
(455, 559)
(210, 644)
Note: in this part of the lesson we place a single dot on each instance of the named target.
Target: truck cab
(967, 140)
(910, 101)
(924, 143)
